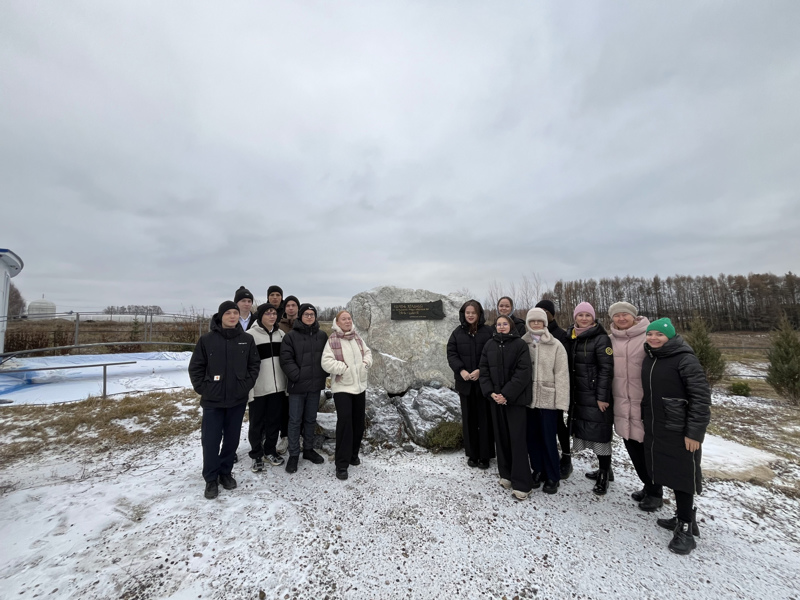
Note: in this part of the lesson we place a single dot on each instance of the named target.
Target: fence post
(105, 371)
(77, 328)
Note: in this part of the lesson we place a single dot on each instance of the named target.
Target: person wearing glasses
(505, 379)
(301, 360)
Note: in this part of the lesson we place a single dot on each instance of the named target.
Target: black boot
(593, 474)
(682, 539)
(291, 464)
(313, 456)
(212, 490)
(672, 523)
(341, 474)
(651, 503)
(640, 495)
(565, 466)
(538, 478)
(601, 487)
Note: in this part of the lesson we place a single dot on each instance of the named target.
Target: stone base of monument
(396, 420)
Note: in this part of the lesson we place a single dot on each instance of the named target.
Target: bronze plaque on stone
(417, 311)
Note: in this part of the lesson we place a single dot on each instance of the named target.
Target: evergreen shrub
(446, 435)
(740, 388)
(784, 362)
(708, 354)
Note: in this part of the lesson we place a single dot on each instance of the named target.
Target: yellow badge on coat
(609, 351)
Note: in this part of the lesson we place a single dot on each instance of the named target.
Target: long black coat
(506, 369)
(464, 349)
(591, 370)
(224, 366)
(301, 358)
(676, 404)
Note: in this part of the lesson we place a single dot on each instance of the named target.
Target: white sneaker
(283, 445)
(519, 495)
(505, 483)
(274, 460)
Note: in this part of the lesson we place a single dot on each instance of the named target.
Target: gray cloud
(166, 154)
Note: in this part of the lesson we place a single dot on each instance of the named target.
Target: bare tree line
(725, 303)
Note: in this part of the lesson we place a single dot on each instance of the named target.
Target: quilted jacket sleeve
(699, 396)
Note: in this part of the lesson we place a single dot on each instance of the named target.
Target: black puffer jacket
(591, 370)
(464, 349)
(506, 368)
(301, 358)
(224, 366)
(557, 332)
(676, 404)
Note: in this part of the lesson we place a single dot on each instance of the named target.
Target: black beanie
(242, 293)
(290, 299)
(226, 306)
(274, 288)
(304, 308)
(547, 305)
(262, 309)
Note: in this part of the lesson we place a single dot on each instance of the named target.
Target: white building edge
(10, 266)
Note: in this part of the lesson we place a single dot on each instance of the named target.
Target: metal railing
(9, 355)
(104, 365)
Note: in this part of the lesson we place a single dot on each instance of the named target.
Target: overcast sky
(167, 153)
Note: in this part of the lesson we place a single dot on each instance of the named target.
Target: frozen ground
(134, 524)
(152, 371)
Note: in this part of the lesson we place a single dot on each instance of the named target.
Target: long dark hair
(473, 327)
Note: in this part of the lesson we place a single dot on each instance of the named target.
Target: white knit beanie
(536, 314)
(622, 307)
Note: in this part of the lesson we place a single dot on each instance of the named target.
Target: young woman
(505, 379)
(627, 339)
(464, 354)
(347, 358)
(266, 399)
(591, 369)
(550, 377)
(505, 307)
(676, 409)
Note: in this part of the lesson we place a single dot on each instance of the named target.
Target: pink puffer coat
(626, 387)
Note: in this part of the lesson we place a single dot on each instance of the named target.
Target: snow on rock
(134, 524)
(422, 410)
(724, 459)
(326, 424)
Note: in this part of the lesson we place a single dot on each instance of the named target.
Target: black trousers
(636, 452)
(563, 433)
(220, 426)
(510, 437)
(265, 420)
(542, 449)
(476, 424)
(350, 414)
(285, 416)
(684, 502)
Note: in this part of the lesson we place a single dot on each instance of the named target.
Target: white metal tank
(10, 266)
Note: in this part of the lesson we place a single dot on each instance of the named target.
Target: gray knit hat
(622, 307)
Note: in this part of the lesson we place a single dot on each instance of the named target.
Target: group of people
(528, 387)
(276, 362)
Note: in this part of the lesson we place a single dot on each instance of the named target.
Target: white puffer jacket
(271, 378)
(354, 368)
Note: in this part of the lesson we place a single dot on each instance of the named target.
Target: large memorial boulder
(406, 353)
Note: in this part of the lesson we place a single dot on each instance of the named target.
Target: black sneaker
(640, 495)
(274, 460)
(227, 481)
(565, 466)
(291, 464)
(313, 456)
(538, 478)
(341, 474)
(471, 462)
(355, 461)
(258, 465)
(483, 464)
(651, 504)
(550, 486)
(212, 490)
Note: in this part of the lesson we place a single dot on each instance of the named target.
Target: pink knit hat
(584, 307)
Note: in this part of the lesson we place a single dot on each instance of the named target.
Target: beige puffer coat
(626, 387)
(354, 368)
(550, 372)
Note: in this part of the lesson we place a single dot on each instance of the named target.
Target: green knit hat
(664, 326)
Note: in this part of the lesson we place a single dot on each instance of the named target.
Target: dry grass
(97, 424)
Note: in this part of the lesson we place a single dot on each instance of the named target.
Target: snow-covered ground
(152, 371)
(134, 524)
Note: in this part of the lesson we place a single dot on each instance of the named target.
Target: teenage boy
(301, 360)
(275, 297)
(223, 369)
(244, 300)
(290, 307)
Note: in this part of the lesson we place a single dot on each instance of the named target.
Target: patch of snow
(404, 525)
(728, 460)
(737, 369)
(131, 424)
(391, 357)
